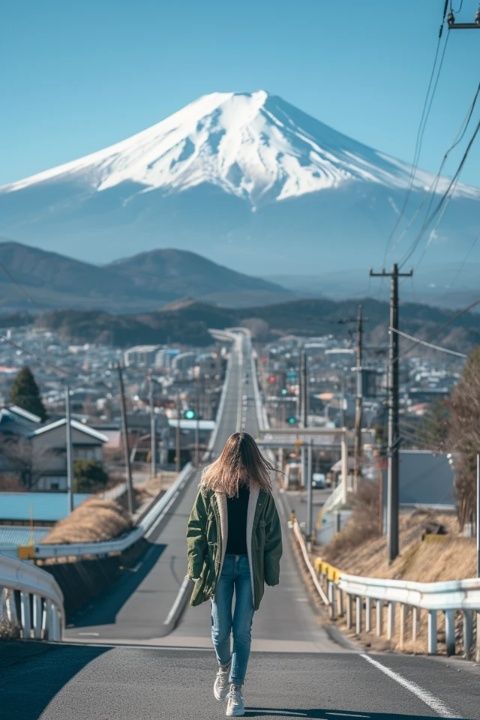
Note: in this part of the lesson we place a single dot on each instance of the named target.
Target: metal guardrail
(450, 598)
(31, 599)
(101, 548)
(357, 598)
(149, 521)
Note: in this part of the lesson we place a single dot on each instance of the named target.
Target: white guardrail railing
(386, 607)
(356, 598)
(148, 523)
(31, 600)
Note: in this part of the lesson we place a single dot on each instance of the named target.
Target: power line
(433, 187)
(419, 341)
(464, 262)
(427, 106)
(445, 324)
(443, 199)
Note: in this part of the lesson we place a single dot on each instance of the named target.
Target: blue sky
(77, 76)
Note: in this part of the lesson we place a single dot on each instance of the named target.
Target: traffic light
(189, 414)
(292, 420)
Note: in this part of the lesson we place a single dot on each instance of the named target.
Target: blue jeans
(235, 575)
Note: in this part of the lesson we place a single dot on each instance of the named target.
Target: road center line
(424, 695)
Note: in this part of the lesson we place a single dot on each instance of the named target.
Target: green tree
(89, 475)
(25, 393)
(464, 435)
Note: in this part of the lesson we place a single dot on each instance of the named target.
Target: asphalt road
(136, 606)
(93, 682)
(125, 667)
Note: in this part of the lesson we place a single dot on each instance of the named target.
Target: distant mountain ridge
(188, 323)
(34, 279)
(246, 179)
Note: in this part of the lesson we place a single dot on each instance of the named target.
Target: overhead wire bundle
(432, 86)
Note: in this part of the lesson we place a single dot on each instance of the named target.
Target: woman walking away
(234, 543)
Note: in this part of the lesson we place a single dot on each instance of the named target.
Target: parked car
(318, 481)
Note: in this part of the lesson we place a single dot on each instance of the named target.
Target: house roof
(17, 423)
(81, 427)
(16, 410)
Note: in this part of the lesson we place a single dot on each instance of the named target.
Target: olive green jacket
(207, 533)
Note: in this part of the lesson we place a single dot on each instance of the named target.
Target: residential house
(50, 449)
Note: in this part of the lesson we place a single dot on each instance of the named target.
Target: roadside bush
(89, 475)
(364, 522)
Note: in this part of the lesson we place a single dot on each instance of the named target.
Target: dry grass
(8, 630)
(445, 557)
(94, 520)
(98, 519)
(363, 525)
(154, 487)
(433, 559)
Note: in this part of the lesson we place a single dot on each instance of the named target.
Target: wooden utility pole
(393, 414)
(126, 447)
(358, 400)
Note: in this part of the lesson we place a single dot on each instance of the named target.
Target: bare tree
(23, 458)
(464, 435)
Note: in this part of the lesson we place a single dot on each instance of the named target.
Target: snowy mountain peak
(253, 145)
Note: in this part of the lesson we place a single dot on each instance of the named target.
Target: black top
(237, 522)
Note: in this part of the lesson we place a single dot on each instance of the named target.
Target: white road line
(424, 695)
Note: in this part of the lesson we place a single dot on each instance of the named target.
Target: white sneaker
(220, 686)
(236, 703)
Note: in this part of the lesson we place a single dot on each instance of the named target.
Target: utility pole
(304, 389)
(393, 414)
(126, 448)
(153, 431)
(177, 436)
(306, 451)
(68, 424)
(358, 400)
(197, 422)
(310, 492)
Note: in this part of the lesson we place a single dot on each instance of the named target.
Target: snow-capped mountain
(246, 179)
(254, 146)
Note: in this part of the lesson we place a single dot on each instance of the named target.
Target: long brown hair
(240, 456)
